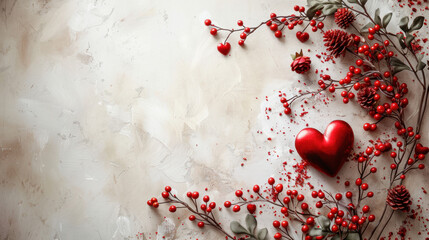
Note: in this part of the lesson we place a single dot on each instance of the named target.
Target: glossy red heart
(224, 48)
(421, 150)
(302, 36)
(251, 208)
(326, 152)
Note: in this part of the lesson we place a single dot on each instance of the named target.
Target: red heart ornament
(302, 36)
(224, 48)
(326, 152)
(421, 150)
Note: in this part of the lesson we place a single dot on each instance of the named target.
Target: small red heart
(421, 150)
(251, 208)
(224, 48)
(302, 36)
(326, 152)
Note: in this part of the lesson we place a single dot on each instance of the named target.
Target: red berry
(172, 208)
(155, 205)
(304, 206)
(285, 224)
(365, 209)
(201, 224)
(243, 35)
(371, 218)
(192, 218)
(208, 22)
(227, 204)
(277, 236)
(349, 194)
(247, 29)
(279, 187)
(165, 194)
(310, 221)
(256, 188)
(273, 15)
(236, 208)
(240, 23)
(368, 151)
(241, 42)
(367, 127)
(149, 202)
(300, 197)
(276, 224)
(284, 210)
(286, 200)
(271, 181)
(296, 8)
(212, 205)
(195, 195)
(213, 31)
(377, 27)
(319, 204)
(278, 34)
(274, 27)
(338, 196)
(364, 186)
(305, 228)
(206, 198)
(238, 193)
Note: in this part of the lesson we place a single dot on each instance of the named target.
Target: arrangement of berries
(374, 84)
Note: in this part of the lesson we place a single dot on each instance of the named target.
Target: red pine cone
(365, 97)
(337, 41)
(398, 198)
(301, 64)
(344, 17)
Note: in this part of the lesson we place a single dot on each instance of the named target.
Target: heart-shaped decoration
(421, 150)
(224, 48)
(326, 152)
(302, 36)
(251, 208)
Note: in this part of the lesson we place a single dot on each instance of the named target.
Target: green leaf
(329, 9)
(403, 23)
(324, 222)
(352, 1)
(400, 38)
(386, 19)
(408, 39)
(417, 23)
(251, 222)
(352, 236)
(363, 2)
(365, 28)
(377, 18)
(420, 66)
(312, 10)
(237, 228)
(314, 232)
(262, 234)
